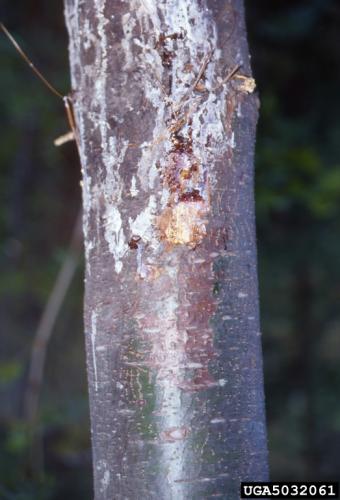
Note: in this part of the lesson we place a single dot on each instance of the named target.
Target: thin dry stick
(228, 77)
(47, 322)
(64, 278)
(66, 99)
(29, 62)
(62, 139)
(201, 72)
(192, 87)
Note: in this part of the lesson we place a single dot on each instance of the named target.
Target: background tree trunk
(171, 305)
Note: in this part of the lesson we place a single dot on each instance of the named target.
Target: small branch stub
(63, 139)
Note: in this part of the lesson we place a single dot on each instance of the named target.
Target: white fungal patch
(89, 243)
(104, 470)
(141, 267)
(113, 151)
(231, 140)
(217, 420)
(88, 38)
(128, 23)
(93, 336)
(114, 235)
(113, 157)
(143, 224)
(74, 49)
(100, 86)
(112, 189)
(106, 480)
(133, 189)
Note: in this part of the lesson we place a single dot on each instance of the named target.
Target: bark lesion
(165, 47)
(182, 172)
(184, 219)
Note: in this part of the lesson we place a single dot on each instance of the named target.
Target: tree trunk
(166, 134)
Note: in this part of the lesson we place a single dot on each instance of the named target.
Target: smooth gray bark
(171, 306)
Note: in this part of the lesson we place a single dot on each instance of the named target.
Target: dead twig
(59, 141)
(47, 322)
(67, 100)
(59, 291)
(192, 87)
(228, 77)
(201, 72)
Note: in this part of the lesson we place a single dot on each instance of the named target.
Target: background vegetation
(295, 47)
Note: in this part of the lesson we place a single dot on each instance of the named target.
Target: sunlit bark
(166, 117)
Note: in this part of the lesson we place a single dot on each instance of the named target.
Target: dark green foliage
(40, 197)
(295, 59)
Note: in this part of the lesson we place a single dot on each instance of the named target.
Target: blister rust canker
(184, 223)
(184, 220)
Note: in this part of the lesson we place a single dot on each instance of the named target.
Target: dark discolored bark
(171, 306)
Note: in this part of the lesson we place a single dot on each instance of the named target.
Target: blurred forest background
(295, 48)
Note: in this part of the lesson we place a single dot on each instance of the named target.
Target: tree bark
(171, 301)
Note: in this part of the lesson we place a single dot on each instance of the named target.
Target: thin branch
(68, 104)
(30, 63)
(47, 322)
(228, 77)
(62, 139)
(200, 73)
(192, 87)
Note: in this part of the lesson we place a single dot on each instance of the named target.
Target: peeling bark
(171, 305)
